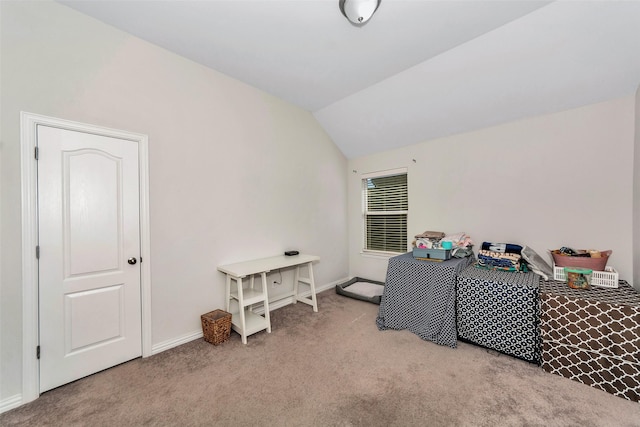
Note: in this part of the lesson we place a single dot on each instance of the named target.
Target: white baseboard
(166, 345)
(332, 285)
(10, 403)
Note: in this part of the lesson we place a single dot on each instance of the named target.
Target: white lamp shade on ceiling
(359, 11)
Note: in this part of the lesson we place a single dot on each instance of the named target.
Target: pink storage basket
(595, 264)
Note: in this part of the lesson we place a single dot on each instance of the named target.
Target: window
(385, 211)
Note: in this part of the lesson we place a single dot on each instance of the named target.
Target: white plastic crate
(604, 279)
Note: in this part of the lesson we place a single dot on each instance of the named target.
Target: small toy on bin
(578, 278)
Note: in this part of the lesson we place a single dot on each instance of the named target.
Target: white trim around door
(29, 123)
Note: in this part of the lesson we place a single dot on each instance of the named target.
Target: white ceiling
(418, 70)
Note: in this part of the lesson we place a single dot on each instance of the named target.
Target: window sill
(373, 254)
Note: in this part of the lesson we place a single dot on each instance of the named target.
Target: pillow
(536, 263)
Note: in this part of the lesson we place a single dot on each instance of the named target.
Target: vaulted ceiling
(418, 70)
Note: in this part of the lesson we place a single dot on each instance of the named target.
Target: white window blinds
(385, 213)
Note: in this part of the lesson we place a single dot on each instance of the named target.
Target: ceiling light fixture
(358, 12)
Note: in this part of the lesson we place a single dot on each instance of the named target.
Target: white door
(89, 266)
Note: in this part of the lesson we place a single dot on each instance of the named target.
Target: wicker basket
(216, 326)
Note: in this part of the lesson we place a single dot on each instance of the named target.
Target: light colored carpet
(332, 368)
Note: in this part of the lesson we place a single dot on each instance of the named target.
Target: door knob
(132, 260)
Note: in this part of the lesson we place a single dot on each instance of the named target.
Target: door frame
(30, 284)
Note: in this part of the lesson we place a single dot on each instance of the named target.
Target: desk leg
(243, 321)
(251, 287)
(312, 301)
(267, 316)
(296, 279)
(312, 284)
(227, 294)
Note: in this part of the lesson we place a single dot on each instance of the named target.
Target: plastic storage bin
(436, 254)
(578, 278)
(604, 279)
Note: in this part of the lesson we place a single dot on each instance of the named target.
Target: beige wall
(563, 179)
(234, 172)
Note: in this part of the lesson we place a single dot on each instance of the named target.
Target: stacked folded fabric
(500, 256)
(508, 248)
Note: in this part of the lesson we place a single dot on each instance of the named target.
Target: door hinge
(36, 152)
(37, 252)
(38, 352)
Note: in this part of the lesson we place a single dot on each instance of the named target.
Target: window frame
(366, 213)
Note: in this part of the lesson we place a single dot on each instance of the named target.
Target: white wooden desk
(246, 321)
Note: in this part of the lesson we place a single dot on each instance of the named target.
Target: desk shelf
(250, 296)
(253, 323)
